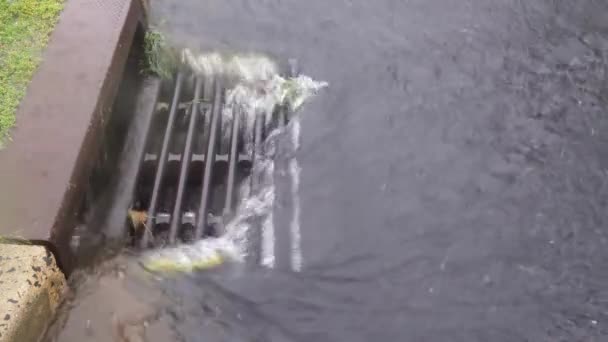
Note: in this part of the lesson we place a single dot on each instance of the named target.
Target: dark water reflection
(454, 174)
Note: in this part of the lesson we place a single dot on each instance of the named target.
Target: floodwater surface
(452, 180)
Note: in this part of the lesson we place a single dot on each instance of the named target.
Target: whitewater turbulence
(254, 87)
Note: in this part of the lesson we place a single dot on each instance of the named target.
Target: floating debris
(138, 220)
(202, 255)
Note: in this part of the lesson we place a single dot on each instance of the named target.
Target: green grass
(160, 58)
(25, 26)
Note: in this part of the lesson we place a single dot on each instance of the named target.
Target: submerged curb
(31, 287)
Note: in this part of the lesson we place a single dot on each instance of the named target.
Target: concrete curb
(31, 288)
(45, 169)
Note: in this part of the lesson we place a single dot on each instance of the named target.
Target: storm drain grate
(194, 163)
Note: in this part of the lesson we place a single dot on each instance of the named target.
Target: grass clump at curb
(160, 58)
(25, 26)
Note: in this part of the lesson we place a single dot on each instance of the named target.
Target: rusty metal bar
(201, 224)
(234, 141)
(185, 163)
(162, 163)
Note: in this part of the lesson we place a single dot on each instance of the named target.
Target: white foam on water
(294, 227)
(268, 241)
(254, 88)
(238, 68)
(267, 225)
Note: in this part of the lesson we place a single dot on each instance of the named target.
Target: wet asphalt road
(454, 179)
(454, 175)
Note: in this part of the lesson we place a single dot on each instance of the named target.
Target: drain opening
(195, 160)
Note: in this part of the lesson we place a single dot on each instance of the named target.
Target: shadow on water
(453, 183)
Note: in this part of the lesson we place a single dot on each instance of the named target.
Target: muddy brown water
(453, 181)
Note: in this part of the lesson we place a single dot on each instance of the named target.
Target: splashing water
(254, 88)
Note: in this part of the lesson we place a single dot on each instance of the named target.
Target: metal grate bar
(201, 224)
(185, 163)
(189, 173)
(234, 142)
(160, 170)
(255, 235)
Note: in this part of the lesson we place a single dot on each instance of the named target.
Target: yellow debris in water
(138, 219)
(168, 265)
